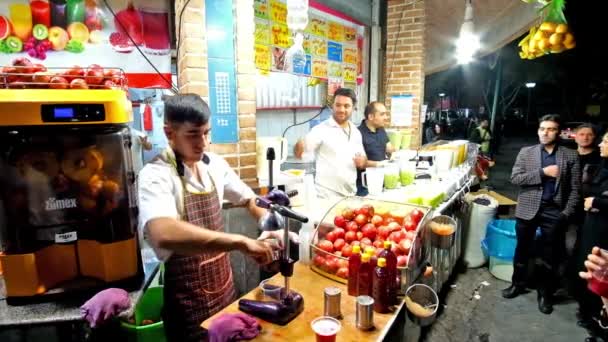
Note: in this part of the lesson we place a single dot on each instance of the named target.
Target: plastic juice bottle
(354, 262)
(391, 268)
(381, 287)
(373, 259)
(365, 276)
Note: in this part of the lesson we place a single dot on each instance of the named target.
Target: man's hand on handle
(260, 251)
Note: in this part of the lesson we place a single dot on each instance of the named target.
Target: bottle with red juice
(373, 259)
(391, 268)
(381, 285)
(354, 262)
(365, 276)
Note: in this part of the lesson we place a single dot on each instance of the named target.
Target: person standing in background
(592, 233)
(481, 135)
(375, 140)
(337, 148)
(549, 178)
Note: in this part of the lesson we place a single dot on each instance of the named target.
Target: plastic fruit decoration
(551, 36)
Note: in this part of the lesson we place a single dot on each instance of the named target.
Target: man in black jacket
(549, 178)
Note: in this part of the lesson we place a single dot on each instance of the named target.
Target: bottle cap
(370, 250)
(387, 244)
(356, 249)
(365, 257)
(381, 262)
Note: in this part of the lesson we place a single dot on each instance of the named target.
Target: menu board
(332, 44)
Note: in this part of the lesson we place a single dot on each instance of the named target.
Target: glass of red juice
(326, 328)
(598, 283)
(155, 26)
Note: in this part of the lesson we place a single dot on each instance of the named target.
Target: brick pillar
(192, 59)
(405, 53)
(193, 77)
(245, 70)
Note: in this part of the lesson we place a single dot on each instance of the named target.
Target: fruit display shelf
(368, 223)
(23, 74)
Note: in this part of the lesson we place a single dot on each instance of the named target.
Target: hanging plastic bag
(553, 35)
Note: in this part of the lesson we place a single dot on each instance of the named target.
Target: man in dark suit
(549, 178)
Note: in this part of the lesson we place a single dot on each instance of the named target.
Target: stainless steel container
(331, 298)
(421, 296)
(365, 312)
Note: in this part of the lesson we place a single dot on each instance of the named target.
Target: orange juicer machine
(67, 199)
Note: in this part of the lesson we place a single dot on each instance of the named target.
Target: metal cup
(421, 296)
(365, 313)
(331, 298)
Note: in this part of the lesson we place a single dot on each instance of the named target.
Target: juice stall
(419, 222)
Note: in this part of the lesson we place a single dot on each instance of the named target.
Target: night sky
(566, 83)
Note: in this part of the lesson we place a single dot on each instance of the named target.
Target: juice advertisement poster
(65, 33)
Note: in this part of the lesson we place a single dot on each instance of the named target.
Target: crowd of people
(562, 187)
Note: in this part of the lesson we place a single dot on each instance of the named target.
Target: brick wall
(193, 78)
(404, 66)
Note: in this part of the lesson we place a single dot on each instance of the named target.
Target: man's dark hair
(551, 117)
(348, 93)
(483, 118)
(183, 108)
(587, 125)
(371, 108)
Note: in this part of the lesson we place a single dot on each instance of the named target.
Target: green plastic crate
(149, 307)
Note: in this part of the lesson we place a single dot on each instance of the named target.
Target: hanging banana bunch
(551, 36)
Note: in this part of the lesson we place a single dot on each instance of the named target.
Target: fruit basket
(23, 74)
(368, 222)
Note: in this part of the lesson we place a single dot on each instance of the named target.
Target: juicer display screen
(76, 112)
(63, 113)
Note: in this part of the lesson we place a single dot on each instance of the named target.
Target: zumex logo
(59, 204)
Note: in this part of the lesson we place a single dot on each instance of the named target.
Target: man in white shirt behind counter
(336, 146)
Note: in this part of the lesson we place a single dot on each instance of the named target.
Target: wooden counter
(310, 285)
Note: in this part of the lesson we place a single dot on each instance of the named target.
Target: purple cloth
(233, 327)
(105, 305)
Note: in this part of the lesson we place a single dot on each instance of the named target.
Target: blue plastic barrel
(500, 239)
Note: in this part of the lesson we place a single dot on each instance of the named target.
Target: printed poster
(334, 84)
(335, 32)
(317, 26)
(334, 52)
(278, 11)
(85, 32)
(349, 72)
(350, 35)
(280, 35)
(263, 60)
(319, 68)
(278, 59)
(401, 110)
(318, 47)
(262, 33)
(350, 55)
(260, 9)
(334, 69)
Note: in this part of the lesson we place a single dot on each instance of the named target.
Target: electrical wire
(303, 122)
(173, 87)
(390, 73)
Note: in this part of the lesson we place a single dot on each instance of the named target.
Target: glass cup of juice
(326, 328)
(155, 26)
(598, 283)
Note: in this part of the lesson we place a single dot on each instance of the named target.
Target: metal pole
(528, 112)
(496, 92)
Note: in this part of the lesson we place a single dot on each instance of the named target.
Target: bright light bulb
(468, 42)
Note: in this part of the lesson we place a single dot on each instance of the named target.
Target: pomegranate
(128, 22)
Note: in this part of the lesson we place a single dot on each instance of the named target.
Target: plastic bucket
(501, 239)
(149, 307)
